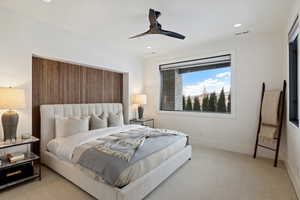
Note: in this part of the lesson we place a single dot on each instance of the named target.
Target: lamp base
(141, 112)
(10, 121)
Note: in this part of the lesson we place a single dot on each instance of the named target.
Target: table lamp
(140, 99)
(11, 98)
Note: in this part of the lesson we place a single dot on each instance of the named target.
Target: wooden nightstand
(16, 168)
(143, 122)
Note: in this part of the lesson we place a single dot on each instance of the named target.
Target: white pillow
(70, 126)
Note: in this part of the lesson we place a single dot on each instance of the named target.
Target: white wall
(293, 133)
(258, 58)
(20, 37)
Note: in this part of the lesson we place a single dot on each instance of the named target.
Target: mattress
(65, 149)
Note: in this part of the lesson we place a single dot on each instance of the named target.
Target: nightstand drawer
(15, 173)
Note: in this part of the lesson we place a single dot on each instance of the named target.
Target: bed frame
(136, 190)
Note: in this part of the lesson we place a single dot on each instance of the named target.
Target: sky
(213, 80)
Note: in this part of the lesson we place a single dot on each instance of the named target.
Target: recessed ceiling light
(237, 25)
(148, 47)
(47, 1)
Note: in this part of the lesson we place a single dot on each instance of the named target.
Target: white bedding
(64, 148)
(136, 190)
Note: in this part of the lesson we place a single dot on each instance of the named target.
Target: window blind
(198, 64)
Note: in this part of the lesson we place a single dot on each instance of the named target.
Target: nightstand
(20, 171)
(143, 122)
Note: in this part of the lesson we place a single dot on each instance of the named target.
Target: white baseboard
(219, 145)
(294, 178)
(234, 147)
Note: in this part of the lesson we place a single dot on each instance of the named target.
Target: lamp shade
(140, 99)
(12, 98)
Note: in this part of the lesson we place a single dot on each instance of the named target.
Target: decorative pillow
(98, 122)
(65, 126)
(115, 119)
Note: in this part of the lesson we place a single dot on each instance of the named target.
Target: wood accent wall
(55, 82)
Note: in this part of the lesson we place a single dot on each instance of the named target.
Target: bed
(134, 190)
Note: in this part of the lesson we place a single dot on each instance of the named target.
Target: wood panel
(55, 82)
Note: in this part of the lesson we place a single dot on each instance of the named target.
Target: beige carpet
(211, 175)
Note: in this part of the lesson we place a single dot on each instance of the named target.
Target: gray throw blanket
(125, 146)
(113, 155)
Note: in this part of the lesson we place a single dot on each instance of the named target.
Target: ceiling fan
(155, 27)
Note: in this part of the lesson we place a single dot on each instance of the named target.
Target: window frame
(216, 115)
(294, 34)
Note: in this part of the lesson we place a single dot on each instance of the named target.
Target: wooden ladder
(281, 113)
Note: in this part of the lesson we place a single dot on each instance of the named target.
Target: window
(293, 73)
(201, 85)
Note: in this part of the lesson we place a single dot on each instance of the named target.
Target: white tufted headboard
(48, 113)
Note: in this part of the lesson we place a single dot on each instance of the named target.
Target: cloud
(224, 74)
(211, 85)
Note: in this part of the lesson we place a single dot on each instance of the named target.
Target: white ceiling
(114, 21)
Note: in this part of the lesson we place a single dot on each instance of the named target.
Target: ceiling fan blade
(140, 35)
(156, 28)
(172, 34)
(158, 14)
(152, 16)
